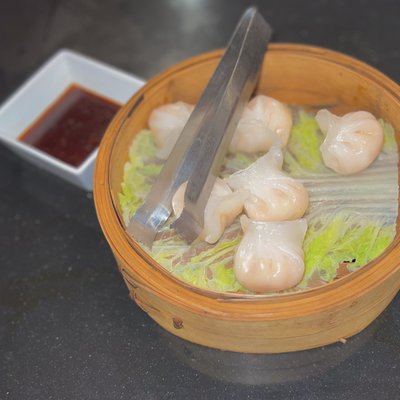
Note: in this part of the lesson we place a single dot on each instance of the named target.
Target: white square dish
(46, 85)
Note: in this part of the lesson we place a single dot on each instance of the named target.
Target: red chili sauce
(72, 127)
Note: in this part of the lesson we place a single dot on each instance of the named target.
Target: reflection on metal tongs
(198, 153)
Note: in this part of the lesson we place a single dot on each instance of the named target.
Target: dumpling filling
(264, 122)
(352, 142)
(270, 256)
(166, 124)
(274, 196)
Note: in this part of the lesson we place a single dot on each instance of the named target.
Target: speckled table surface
(68, 329)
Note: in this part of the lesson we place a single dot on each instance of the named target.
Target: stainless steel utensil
(199, 151)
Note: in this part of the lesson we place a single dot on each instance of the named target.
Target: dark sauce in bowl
(73, 126)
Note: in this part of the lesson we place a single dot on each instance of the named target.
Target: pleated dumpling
(222, 208)
(352, 142)
(264, 122)
(166, 124)
(274, 196)
(270, 256)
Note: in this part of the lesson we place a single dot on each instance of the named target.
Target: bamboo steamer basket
(295, 74)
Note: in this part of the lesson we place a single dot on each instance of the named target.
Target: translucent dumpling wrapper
(352, 142)
(270, 256)
(274, 196)
(166, 124)
(222, 208)
(264, 122)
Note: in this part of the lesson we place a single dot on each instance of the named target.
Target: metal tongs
(200, 149)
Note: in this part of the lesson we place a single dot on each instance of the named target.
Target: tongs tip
(144, 225)
(187, 227)
(141, 232)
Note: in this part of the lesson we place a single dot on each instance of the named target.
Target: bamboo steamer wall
(295, 74)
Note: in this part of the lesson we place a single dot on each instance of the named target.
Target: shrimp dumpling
(264, 122)
(222, 208)
(166, 124)
(270, 256)
(274, 196)
(352, 142)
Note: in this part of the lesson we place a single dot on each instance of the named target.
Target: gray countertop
(68, 329)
